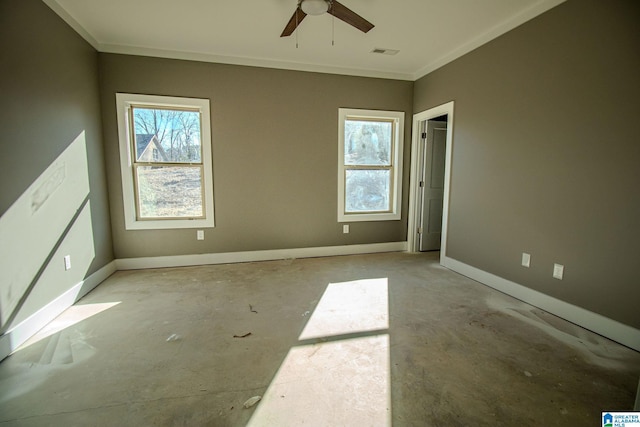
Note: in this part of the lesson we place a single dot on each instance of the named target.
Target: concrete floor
(379, 340)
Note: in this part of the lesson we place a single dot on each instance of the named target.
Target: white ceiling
(428, 33)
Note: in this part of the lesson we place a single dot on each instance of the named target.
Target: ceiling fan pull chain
(297, 26)
(333, 30)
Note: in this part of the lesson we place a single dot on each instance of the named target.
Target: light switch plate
(526, 259)
(558, 271)
(200, 234)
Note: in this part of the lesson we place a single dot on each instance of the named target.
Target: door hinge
(421, 184)
(419, 230)
(424, 135)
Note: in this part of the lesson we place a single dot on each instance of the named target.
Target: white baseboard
(616, 331)
(251, 256)
(20, 333)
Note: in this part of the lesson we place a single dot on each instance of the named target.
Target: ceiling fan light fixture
(314, 7)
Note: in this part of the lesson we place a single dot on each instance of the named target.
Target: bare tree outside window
(177, 131)
(367, 143)
(370, 164)
(168, 165)
(367, 160)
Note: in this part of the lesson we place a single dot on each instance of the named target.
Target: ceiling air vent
(385, 51)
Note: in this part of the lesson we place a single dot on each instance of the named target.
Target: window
(165, 161)
(370, 165)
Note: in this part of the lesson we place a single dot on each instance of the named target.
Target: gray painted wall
(54, 197)
(275, 153)
(546, 154)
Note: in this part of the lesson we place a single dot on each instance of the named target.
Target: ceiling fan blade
(293, 22)
(350, 17)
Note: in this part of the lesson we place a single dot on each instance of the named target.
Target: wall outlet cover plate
(558, 271)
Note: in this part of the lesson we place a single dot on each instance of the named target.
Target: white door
(434, 140)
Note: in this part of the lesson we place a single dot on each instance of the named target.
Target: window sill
(368, 217)
(169, 224)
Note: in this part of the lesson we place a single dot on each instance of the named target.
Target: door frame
(417, 165)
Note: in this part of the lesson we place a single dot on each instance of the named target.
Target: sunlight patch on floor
(343, 382)
(344, 379)
(350, 307)
(71, 316)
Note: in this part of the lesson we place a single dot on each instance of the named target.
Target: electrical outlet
(558, 271)
(67, 262)
(526, 259)
(345, 228)
(200, 234)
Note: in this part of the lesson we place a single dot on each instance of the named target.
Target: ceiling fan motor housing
(314, 7)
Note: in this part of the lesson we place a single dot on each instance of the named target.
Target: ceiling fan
(319, 7)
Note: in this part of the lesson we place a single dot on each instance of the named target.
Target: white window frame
(396, 161)
(124, 101)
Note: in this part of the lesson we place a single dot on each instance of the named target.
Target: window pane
(163, 135)
(367, 190)
(169, 192)
(367, 142)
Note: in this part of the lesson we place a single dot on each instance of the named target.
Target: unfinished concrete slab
(367, 340)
